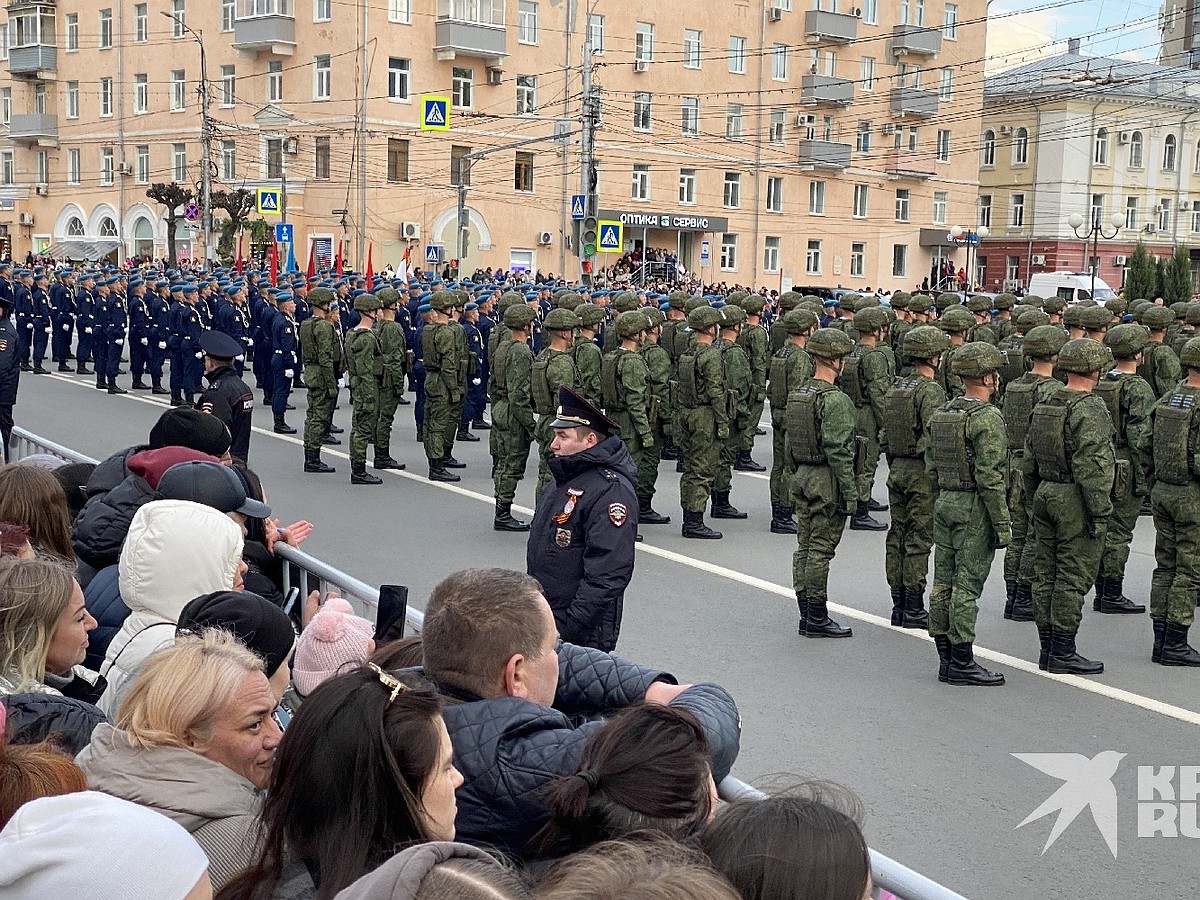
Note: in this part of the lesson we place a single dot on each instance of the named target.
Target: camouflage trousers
(866, 459)
(648, 460)
(1065, 559)
(364, 420)
(544, 435)
(510, 442)
(964, 539)
(1176, 580)
(820, 524)
(911, 493)
(389, 400)
(1122, 520)
(442, 414)
(320, 411)
(781, 465)
(697, 440)
(1018, 562)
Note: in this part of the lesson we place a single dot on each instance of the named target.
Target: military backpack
(1048, 439)
(804, 410)
(777, 386)
(1020, 397)
(902, 431)
(612, 389)
(1111, 389)
(850, 379)
(1013, 366)
(1174, 447)
(952, 453)
(539, 385)
(689, 394)
(499, 371)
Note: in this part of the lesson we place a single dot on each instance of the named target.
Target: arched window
(989, 148)
(1136, 146)
(1198, 157)
(74, 227)
(1100, 154)
(1021, 146)
(1169, 148)
(108, 228)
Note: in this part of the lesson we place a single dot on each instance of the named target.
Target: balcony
(38, 62)
(33, 129)
(909, 164)
(31, 37)
(913, 39)
(471, 28)
(821, 27)
(265, 26)
(907, 101)
(824, 154)
(826, 91)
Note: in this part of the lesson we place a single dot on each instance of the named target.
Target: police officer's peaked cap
(799, 321)
(1028, 319)
(870, 319)
(574, 412)
(1043, 341)
(519, 316)
(925, 341)
(560, 320)
(1157, 317)
(1093, 318)
(219, 345)
(366, 303)
(590, 315)
(1083, 356)
(976, 359)
(1189, 356)
(704, 317)
(978, 303)
(957, 319)
(1127, 340)
(320, 297)
(829, 343)
(631, 323)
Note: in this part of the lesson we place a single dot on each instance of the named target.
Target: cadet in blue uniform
(62, 303)
(85, 322)
(10, 371)
(116, 329)
(99, 341)
(476, 384)
(23, 315)
(191, 357)
(140, 327)
(285, 344)
(177, 311)
(233, 319)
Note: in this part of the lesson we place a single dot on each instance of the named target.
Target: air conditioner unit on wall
(1151, 228)
(410, 231)
(41, 190)
(25, 218)
(888, 128)
(125, 168)
(291, 145)
(544, 238)
(1006, 129)
(1185, 204)
(495, 76)
(1122, 137)
(1038, 259)
(1120, 260)
(641, 65)
(774, 14)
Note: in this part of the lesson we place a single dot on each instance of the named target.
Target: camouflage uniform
(756, 344)
(703, 422)
(552, 369)
(625, 390)
(790, 366)
(512, 417)
(954, 321)
(866, 376)
(324, 361)
(393, 345)
(739, 390)
(587, 355)
(364, 364)
(658, 367)
(1160, 366)
(444, 389)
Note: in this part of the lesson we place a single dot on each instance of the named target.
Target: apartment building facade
(827, 143)
(1094, 137)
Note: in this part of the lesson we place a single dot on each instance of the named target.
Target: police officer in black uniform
(228, 397)
(10, 370)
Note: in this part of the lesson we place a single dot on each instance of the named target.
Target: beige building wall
(778, 113)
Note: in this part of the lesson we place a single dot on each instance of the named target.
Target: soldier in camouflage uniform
(1068, 470)
(553, 368)
(658, 365)
(512, 414)
(444, 389)
(364, 364)
(672, 329)
(1040, 348)
(903, 324)
(1012, 346)
(778, 334)
(865, 378)
(323, 358)
(907, 408)
(703, 421)
(821, 421)
(1095, 321)
(956, 322)
(981, 308)
(624, 302)
(1188, 330)
(1130, 403)
(393, 346)
(790, 366)
(586, 351)
(1175, 500)
(1002, 315)
(754, 341)
(968, 450)
(1160, 366)
(739, 386)
(627, 395)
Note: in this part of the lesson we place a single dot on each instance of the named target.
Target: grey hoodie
(400, 877)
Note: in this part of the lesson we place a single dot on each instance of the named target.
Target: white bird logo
(1088, 784)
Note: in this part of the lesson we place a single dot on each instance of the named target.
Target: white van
(1070, 286)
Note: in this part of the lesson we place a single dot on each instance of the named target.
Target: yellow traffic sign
(435, 113)
(611, 236)
(267, 201)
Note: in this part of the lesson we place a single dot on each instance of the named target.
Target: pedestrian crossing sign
(578, 206)
(433, 254)
(435, 113)
(267, 202)
(610, 236)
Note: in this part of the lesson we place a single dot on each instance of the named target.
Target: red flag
(337, 262)
(238, 265)
(274, 263)
(312, 260)
(370, 270)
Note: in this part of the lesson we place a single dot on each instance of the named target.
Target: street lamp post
(1094, 233)
(206, 135)
(972, 239)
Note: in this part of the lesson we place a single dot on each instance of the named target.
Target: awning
(82, 248)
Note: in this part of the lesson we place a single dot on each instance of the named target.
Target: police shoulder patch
(618, 513)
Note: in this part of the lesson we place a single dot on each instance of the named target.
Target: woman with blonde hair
(194, 738)
(31, 496)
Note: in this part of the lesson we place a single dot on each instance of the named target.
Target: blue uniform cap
(831, 304)
(231, 290)
(136, 282)
(284, 297)
(187, 288)
(471, 306)
(424, 308)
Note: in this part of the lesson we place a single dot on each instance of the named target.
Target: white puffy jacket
(175, 551)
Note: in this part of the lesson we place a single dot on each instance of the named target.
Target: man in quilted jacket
(521, 703)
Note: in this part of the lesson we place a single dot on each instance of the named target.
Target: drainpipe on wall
(120, 151)
(758, 119)
(1037, 159)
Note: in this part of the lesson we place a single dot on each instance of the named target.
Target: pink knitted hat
(335, 640)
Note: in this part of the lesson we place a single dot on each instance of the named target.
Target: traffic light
(588, 236)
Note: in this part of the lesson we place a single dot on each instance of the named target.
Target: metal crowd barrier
(309, 573)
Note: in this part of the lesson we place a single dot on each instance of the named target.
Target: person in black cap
(10, 371)
(228, 397)
(258, 624)
(581, 540)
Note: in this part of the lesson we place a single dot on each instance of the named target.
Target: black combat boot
(480, 425)
(437, 472)
(862, 520)
(744, 462)
(815, 622)
(782, 521)
(874, 505)
(1022, 610)
(1065, 660)
(101, 382)
(449, 462)
(694, 527)
(898, 598)
(420, 435)
(282, 427)
(669, 450)
(176, 398)
(648, 515)
(330, 441)
(504, 520)
(943, 651)
(158, 388)
(139, 385)
(333, 429)
(360, 475)
(82, 369)
(62, 366)
(1111, 601)
(113, 389)
(464, 434)
(723, 509)
(383, 459)
(39, 369)
(313, 463)
(1176, 651)
(1160, 634)
(964, 670)
(915, 615)
(1010, 597)
(1045, 635)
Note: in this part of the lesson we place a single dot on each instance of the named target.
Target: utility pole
(206, 136)
(363, 62)
(587, 167)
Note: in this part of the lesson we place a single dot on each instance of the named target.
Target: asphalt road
(931, 762)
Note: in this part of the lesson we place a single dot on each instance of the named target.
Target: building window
(941, 204)
(526, 95)
(7, 174)
(903, 202)
(687, 186)
(321, 158)
(858, 260)
(1169, 148)
(399, 71)
(228, 161)
(460, 166)
(988, 155)
(862, 137)
(643, 42)
(1131, 213)
(106, 33)
(397, 160)
(142, 164)
(733, 122)
(72, 37)
(1020, 151)
(5, 105)
(1195, 216)
(985, 210)
(141, 93)
(74, 175)
(779, 62)
(1097, 211)
(812, 258)
(228, 14)
(733, 190)
(462, 86)
(527, 22)
(641, 111)
(1164, 214)
(106, 165)
(729, 252)
(228, 95)
(43, 166)
(274, 148)
(179, 162)
(641, 182)
(690, 122)
(1012, 268)
(866, 78)
(899, 260)
(39, 98)
(771, 254)
(775, 194)
(1136, 147)
(178, 18)
(274, 81)
(737, 55)
(141, 23)
(106, 97)
(322, 10)
(321, 77)
(178, 89)
(943, 145)
(1100, 151)
(523, 172)
(816, 198)
(596, 33)
(73, 99)
(778, 126)
(860, 201)
(400, 12)
(1016, 216)
(824, 62)
(691, 48)
(950, 21)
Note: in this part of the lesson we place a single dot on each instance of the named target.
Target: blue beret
(231, 290)
(284, 297)
(426, 295)
(830, 304)
(157, 285)
(190, 289)
(471, 306)
(424, 308)
(135, 281)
